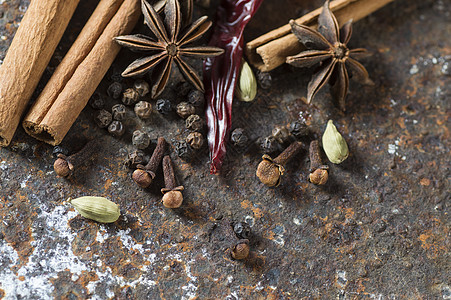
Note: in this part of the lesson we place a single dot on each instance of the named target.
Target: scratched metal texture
(379, 229)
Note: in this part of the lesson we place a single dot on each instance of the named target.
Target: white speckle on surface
(3, 165)
(296, 221)
(391, 148)
(340, 279)
(23, 183)
(415, 121)
(4, 37)
(393, 102)
(434, 60)
(229, 279)
(413, 70)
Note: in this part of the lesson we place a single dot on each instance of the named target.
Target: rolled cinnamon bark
(33, 45)
(270, 50)
(81, 71)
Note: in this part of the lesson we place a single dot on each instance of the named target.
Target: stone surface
(379, 229)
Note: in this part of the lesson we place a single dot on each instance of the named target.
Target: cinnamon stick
(33, 45)
(81, 70)
(270, 50)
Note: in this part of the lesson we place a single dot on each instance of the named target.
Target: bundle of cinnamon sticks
(77, 76)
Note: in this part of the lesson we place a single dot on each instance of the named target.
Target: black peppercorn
(130, 96)
(140, 140)
(97, 101)
(114, 90)
(281, 134)
(142, 87)
(242, 230)
(239, 137)
(299, 129)
(183, 150)
(195, 140)
(268, 145)
(194, 122)
(60, 150)
(264, 79)
(185, 109)
(164, 106)
(143, 109)
(196, 98)
(116, 128)
(103, 118)
(119, 111)
(135, 158)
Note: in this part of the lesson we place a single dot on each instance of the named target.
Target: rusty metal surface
(379, 229)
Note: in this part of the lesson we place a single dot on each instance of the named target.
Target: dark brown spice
(172, 193)
(135, 158)
(140, 139)
(97, 101)
(185, 109)
(269, 171)
(318, 171)
(239, 248)
(194, 122)
(143, 109)
(144, 175)
(116, 128)
(114, 90)
(142, 87)
(130, 96)
(281, 134)
(328, 46)
(195, 140)
(170, 46)
(119, 112)
(64, 166)
(103, 118)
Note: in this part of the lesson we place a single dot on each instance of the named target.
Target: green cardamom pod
(97, 208)
(246, 88)
(334, 144)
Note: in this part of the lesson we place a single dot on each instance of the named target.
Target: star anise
(170, 46)
(328, 47)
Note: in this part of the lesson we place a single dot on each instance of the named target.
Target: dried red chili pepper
(221, 72)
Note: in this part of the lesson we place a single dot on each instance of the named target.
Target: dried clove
(144, 175)
(64, 166)
(269, 171)
(318, 171)
(172, 193)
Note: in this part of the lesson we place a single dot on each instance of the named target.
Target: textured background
(379, 229)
